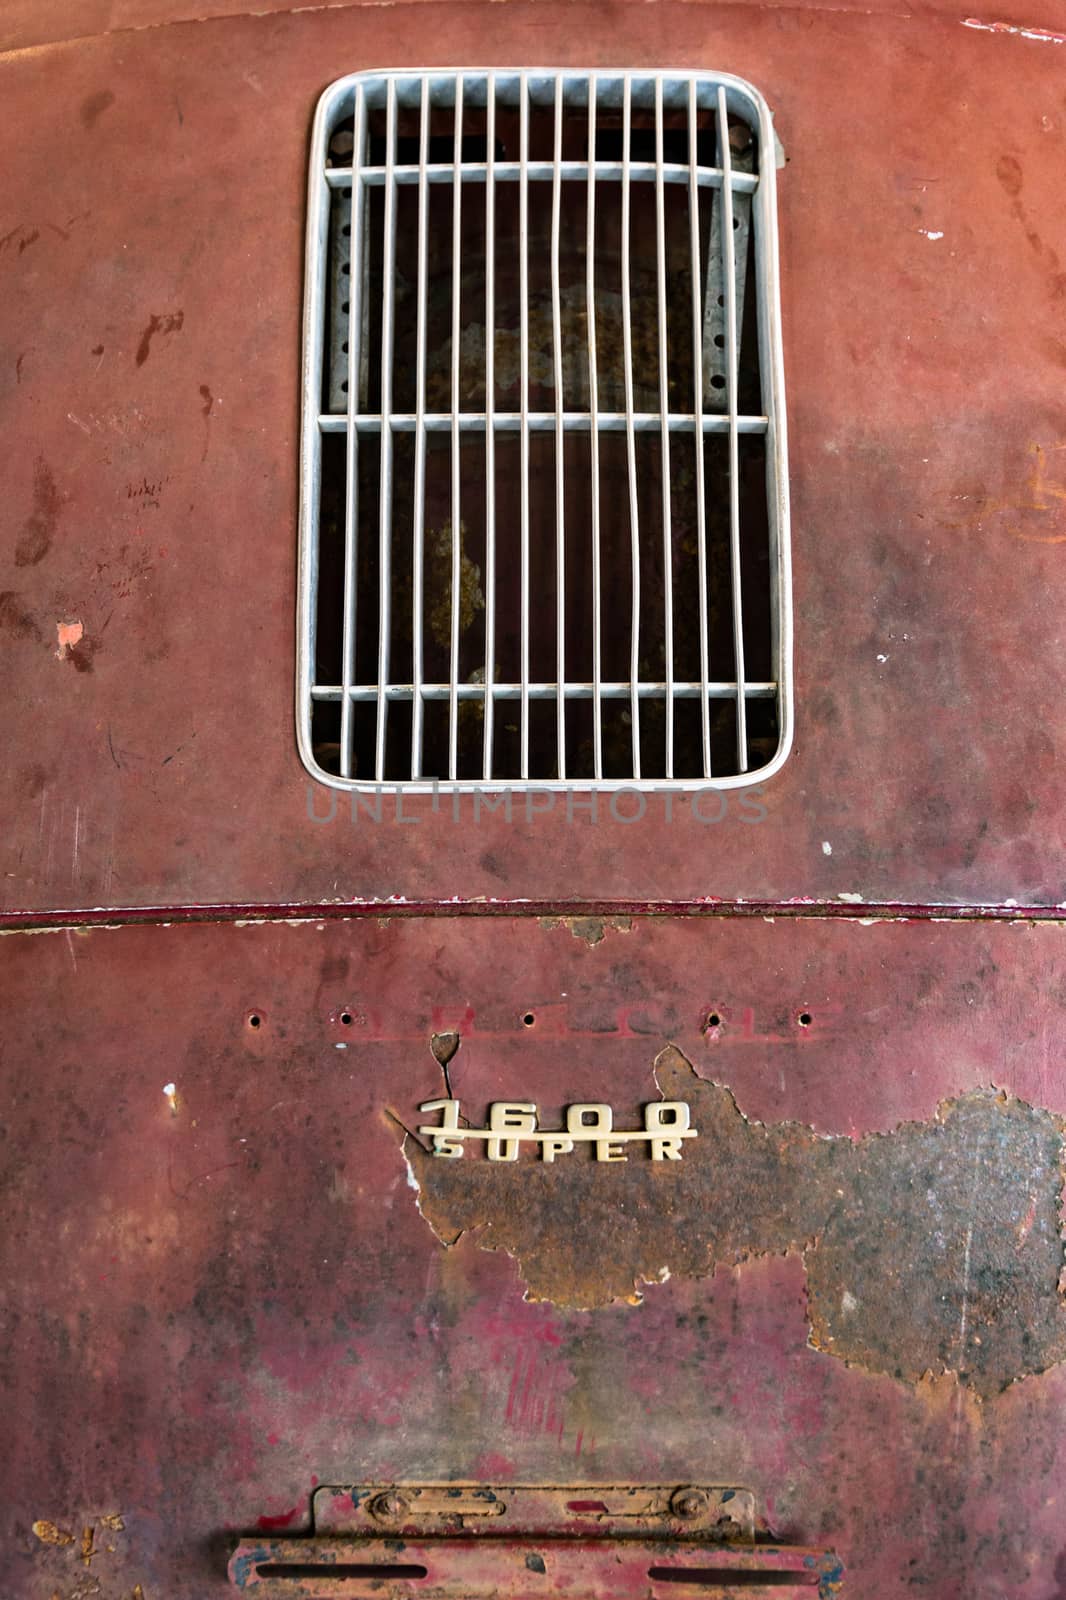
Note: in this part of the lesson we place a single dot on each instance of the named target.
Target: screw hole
(719, 340)
(346, 1018)
(254, 1019)
(805, 1019)
(528, 1020)
(714, 1020)
(718, 382)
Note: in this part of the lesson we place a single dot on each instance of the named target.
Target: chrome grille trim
(738, 196)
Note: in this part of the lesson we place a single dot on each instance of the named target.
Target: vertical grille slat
(594, 438)
(523, 380)
(490, 431)
(385, 526)
(457, 240)
(560, 514)
(353, 325)
(697, 406)
(631, 444)
(419, 509)
(664, 408)
(535, 609)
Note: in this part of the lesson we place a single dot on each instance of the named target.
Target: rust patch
(444, 1046)
(81, 654)
(438, 584)
(593, 930)
(48, 1533)
(933, 1249)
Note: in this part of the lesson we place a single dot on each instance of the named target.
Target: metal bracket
(715, 377)
(484, 1542)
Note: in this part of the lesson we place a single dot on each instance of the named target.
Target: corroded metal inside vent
(545, 508)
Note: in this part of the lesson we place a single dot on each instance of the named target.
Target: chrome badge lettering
(514, 1122)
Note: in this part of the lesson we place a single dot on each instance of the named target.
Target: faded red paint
(217, 1299)
(277, 1310)
(925, 382)
(285, 1519)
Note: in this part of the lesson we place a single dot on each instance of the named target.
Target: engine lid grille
(544, 517)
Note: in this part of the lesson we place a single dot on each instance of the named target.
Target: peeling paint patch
(412, 1180)
(1041, 34)
(75, 646)
(933, 1249)
(68, 635)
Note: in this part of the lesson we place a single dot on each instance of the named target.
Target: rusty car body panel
(232, 1272)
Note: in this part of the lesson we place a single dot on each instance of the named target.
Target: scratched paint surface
(148, 401)
(33, 22)
(217, 1287)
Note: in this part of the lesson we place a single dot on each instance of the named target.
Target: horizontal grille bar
(546, 691)
(541, 422)
(477, 172)
(507, 87)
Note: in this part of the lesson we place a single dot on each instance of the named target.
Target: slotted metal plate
(479, 1541)
(491, 1510)
(544, 528)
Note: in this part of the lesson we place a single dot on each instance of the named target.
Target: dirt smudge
(166, 323)
(39, 529)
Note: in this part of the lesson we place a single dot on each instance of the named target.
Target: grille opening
(642, 643)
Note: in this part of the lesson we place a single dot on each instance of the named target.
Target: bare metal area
(933, 1249)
